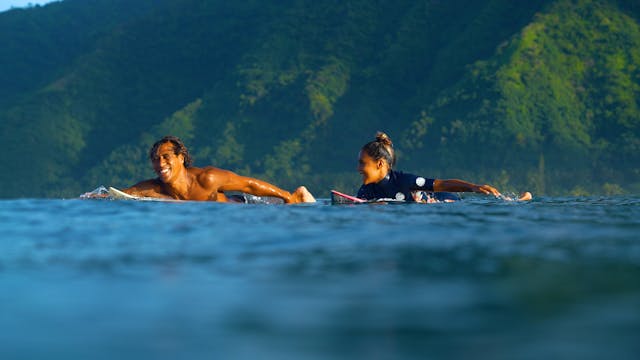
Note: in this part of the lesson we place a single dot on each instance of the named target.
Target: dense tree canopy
(538, 95)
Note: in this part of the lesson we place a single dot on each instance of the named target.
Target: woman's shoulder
(409, 179)
(401, 175)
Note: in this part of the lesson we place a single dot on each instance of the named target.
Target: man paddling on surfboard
(379, 180)
(177, 179)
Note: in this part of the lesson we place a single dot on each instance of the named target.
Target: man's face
(166, 163)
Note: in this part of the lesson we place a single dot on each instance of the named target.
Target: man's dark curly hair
(178, 148)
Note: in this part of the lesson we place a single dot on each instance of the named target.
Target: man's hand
(302, 195)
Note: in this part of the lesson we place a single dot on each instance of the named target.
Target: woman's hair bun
(381, 148)
(384, 139)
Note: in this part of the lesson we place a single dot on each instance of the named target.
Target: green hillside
(539, 96)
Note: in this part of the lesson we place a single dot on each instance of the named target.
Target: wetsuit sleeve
(414, 182)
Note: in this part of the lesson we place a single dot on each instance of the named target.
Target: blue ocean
(553, 278)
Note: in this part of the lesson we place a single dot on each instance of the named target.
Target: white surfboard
(119, 195)
(116, 194)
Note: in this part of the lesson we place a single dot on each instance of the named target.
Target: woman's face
(372, 170)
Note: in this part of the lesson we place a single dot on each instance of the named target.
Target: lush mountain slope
(539, 96)
(41, 43)
(562, 93)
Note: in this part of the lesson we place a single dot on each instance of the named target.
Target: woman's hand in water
(488, 190)
(525, 196)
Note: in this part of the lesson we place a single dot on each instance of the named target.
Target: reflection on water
(556, 277)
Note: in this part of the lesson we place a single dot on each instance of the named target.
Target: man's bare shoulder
(210, 175)
(211, 170)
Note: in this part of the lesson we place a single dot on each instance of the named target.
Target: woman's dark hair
(381, 148)
(178, 148)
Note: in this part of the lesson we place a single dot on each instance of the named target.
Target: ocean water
(555, 278)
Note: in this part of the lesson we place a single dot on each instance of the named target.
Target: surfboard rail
(339, 198)
(116, 194)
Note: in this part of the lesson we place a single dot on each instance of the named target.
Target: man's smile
(165, 172)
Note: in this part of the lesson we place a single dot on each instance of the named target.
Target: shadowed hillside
(536, 96)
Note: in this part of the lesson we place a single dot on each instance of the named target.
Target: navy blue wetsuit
(400, 186)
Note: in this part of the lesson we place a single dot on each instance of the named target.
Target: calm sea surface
(555, 278)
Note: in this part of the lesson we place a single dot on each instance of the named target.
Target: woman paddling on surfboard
(380, 181)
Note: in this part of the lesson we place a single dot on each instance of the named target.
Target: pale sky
(7, 4)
